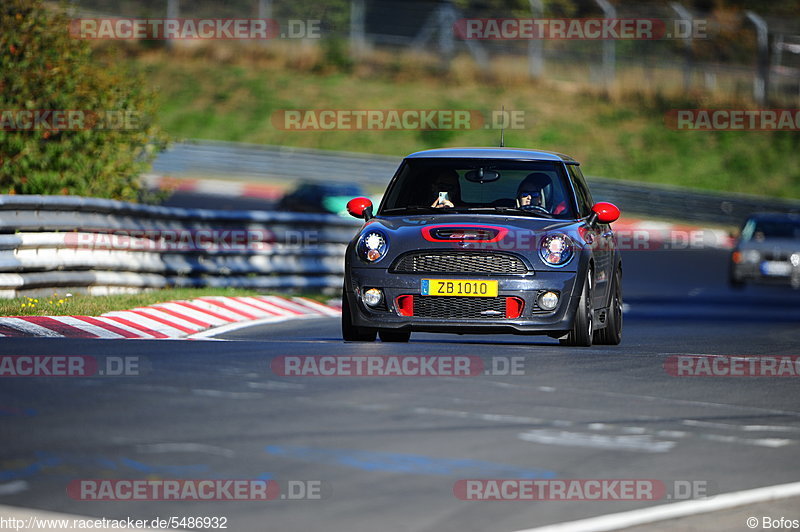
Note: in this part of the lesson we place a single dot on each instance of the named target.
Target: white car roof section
(493, 153)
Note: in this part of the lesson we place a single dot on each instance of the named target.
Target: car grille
(459, 262)
(777, 255)
(469, 308)
(454, 308)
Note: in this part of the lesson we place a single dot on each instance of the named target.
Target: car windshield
(759, 230)
(443, 186)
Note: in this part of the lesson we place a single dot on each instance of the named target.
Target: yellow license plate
(458, 287)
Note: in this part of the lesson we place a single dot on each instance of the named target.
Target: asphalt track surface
(389, 450)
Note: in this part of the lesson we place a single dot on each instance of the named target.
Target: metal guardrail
(234, 160)
(678, 203)
(104, 246)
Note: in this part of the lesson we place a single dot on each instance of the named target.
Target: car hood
(771, 244)
(513, 234)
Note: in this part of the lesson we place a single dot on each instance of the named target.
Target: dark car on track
(484, 240)
(767, 251)
(328, 197)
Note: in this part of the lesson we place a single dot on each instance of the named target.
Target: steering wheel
(534, 208)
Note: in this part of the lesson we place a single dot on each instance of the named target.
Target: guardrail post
(684, 14)
(265, 12)
(536, 45)
(609, 45)
(358, 40)
(173, 12)
(761, 81)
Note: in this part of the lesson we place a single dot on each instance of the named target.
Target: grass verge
(65, 304)
(214, 94)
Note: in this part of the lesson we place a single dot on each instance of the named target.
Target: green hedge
(111, 139)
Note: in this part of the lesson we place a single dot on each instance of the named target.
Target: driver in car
(532, 194)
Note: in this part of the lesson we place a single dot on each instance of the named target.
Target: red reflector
(514, 307)
(404, 305)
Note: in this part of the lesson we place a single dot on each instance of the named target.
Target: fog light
(373, 297)
(795, 259)
(548, 301)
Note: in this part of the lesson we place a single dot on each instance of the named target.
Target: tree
(106, 137)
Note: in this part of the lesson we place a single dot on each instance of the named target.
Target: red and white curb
(197, 318)
(216, 187)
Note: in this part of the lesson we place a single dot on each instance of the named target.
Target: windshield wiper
(412, 209)
(512, 210)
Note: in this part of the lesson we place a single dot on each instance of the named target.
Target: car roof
(775, 216)
(493, 153)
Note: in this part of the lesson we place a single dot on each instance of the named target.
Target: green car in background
(330, 198)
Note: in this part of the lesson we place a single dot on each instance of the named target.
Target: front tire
(735, 284)
(612, 334)
(351, 333)
(583, 328)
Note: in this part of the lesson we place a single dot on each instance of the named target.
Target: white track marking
(745, 428)
(14, 487)
(640, 443)
(675, 510)
(159, 448)
(276, 385)
(224, 394)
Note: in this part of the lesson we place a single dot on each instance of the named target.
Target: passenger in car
(446, 188)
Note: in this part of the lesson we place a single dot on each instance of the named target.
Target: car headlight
(556, 249)
(372, 246)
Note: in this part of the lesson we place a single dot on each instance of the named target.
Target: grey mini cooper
(484, 240)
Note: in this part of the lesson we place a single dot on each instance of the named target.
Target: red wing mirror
(606, 212)
(360, 208)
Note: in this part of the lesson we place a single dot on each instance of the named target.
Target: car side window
(584, 197)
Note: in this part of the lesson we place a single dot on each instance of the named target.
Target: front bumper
(756, 273)
(525, 287)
